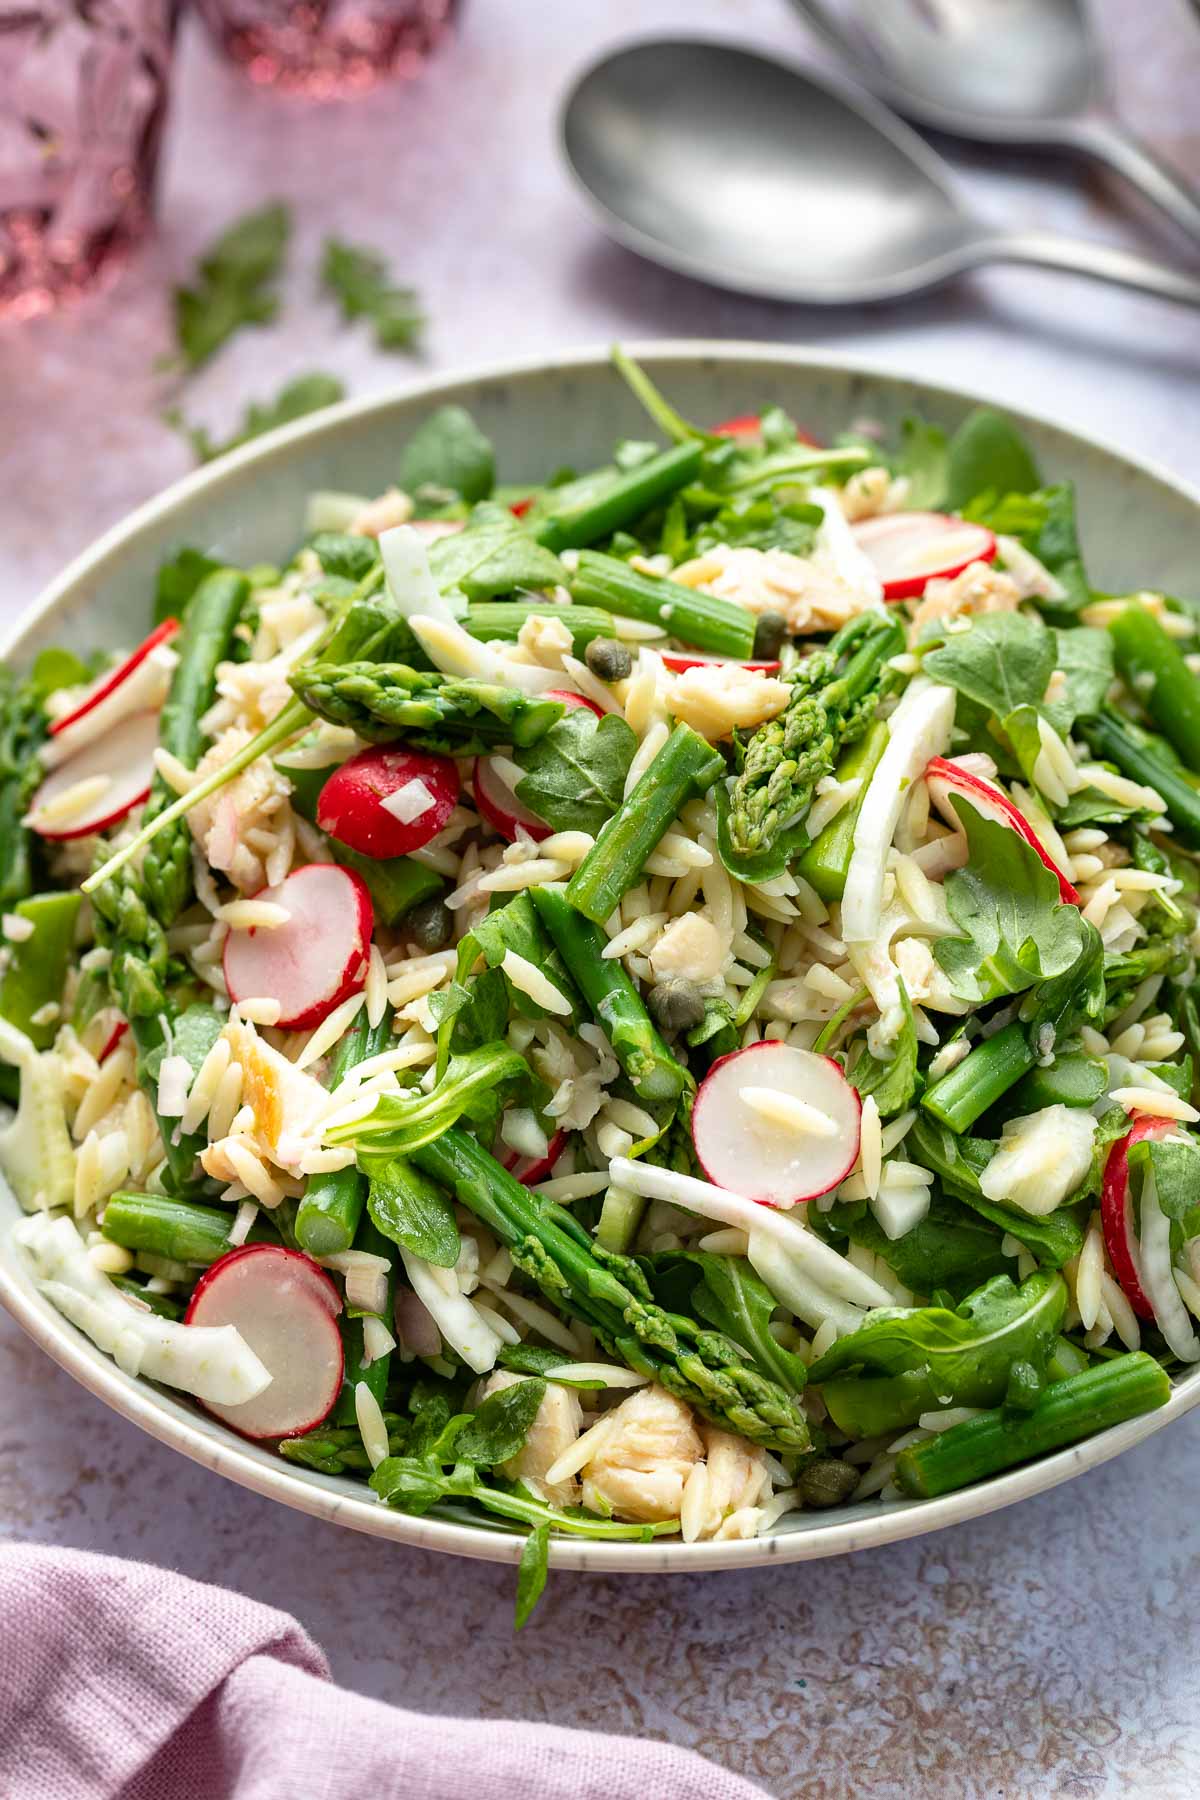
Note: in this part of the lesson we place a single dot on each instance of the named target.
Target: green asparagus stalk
(610, 1294)
(1113, 739)
(1067, 1411)
(590, 509)
(686, 765)
(501, 620)
(178, 1230)
(203, 642)
(332, 1208)
(834, 696)
(374, 1373)
(612, 999)
(460, 717)
(826, 862)
(704, 620)
(1154, 669)
(332, 1449)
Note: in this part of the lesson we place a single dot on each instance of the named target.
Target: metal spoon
(759, 176)
(1004, 72)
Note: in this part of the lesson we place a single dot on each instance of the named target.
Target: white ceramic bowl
(1140, 528)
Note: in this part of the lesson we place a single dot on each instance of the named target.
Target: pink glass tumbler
(326, 48)
(83, 95)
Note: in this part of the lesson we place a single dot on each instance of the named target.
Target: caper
(677, 1004)
(430, 925)
(827, 1482)
(608, 660)
(769, 634)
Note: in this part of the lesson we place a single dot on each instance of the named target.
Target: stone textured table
(1047, 1651)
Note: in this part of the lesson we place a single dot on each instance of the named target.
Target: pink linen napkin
(125, 1682)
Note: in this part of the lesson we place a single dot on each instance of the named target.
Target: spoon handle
(1080, 256)
(1144, 169)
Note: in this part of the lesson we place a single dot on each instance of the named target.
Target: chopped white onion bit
(174, 1083)
(408, 802)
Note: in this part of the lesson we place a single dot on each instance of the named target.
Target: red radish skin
(350, 806)
(569, 699)
(519, 508)
(530, 1170)
(315, 961)
(679, 660)
(1116, 1213)
(747, 428)
(946, 778)
(113, 1039)
(724, 1141)
(904, 549)
(500, 807)
(285, 1307)
(126, 756)
(109, 683)
(432, 529)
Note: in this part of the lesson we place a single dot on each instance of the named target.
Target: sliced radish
(1116, 1209)
(747, 428)
(285, 1308)
(519, 508)
(947, 778)
(109, 682)
(909, 549)
(432, 529)
(679, 660)
(113, 1039)
(529, 1170)
(371, 803)
(500, 806)
(569, 699)
(314, 961)
(776, 1124)
(121, 767)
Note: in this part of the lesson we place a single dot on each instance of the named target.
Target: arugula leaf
(345, 554)
(757, 524)
(516, 926)
(531, 1573)
(1007, 903)
(1003, 662)
(923, 457)
(494, 554)
(411, 1210)
(193, 1034)
(536, 1359)
(1085, 657)
(725, 1292)
(950, 1250)
(450, 455)
(474, 1087)
(496, 1432)
(358, 279)
(231, 287)
(178, 580)
(958, 1162)
(306, 394)
(894, 1082)
(1044, 522)
(987, 455)
(575, 775)
(901, 1363)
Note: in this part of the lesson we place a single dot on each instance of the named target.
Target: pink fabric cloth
(125, 1682)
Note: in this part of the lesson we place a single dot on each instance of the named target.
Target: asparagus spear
(612, 998)
(1115, 740)
(462, 717)
(203, 642)
(374, 1373)
(1066, 1412)
(1154, 669)
(610, 1294)
(332, 1208)
(595, 507)
(834, 697)
(178, 1230)
(492, 620)
(686, 765)
(826, 861)
(693, 617)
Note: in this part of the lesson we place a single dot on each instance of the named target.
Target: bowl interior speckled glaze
(1139, 527)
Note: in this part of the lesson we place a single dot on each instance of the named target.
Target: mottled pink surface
(1044, 1652)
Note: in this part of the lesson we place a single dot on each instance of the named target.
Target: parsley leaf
(1007, 903)
(232, 284)
(575, 774)
(306, 394)
(358, 279)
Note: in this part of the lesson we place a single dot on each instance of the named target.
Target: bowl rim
(169, 1419)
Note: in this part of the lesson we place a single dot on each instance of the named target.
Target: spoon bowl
(759, 176)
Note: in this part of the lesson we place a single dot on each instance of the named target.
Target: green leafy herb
(987, 455)
(348, 555)
(232, 286)
(359, 280)
(449, 458)
(531, 1573)
(306, 394)
(178, 580)
(1003, 662)
(1044, 523)
(408, 1208)
(1007, 903)
(958, 1162)
(950, 1250)
(894, 1082)
(496, 1432)
(726, 1293)
(1175, 1162)
(493, 555)
(473, 1087)
(901, 1363)
(575, 775)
